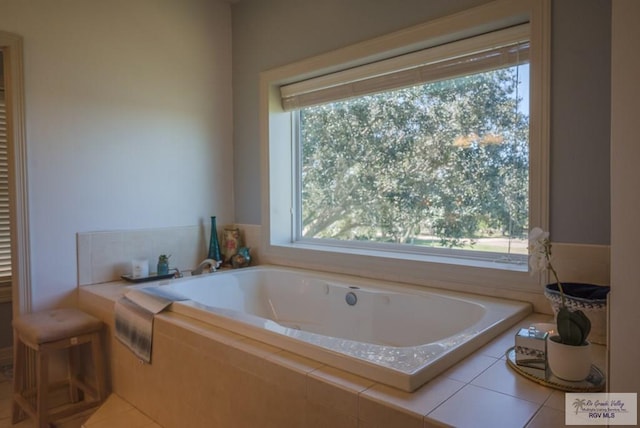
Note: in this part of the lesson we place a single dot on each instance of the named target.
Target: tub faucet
(213, 265)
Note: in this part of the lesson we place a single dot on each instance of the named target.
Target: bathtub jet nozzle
(351, 298)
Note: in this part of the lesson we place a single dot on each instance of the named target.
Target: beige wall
(128, 121)
(625, 199)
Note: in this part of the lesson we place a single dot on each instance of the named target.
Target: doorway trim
(11, 45)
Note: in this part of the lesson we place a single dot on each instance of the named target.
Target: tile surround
(497, 378)
(224, 379)
(384, 406)
(104, 256)
(336, 389)
(477, 407)
(469, 368)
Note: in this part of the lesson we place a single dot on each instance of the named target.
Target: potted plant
(568, 351)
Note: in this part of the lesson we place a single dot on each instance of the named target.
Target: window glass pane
(442, 164)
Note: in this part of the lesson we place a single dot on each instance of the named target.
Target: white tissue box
(531, 348)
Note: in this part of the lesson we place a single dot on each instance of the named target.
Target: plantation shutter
(508, 47)
(5, 230)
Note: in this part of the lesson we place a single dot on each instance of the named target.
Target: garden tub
(392, 333)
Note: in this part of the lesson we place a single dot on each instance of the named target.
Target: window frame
(279, 162)
(500, 259)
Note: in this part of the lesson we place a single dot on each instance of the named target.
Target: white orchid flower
(539, 250)
(538, 236)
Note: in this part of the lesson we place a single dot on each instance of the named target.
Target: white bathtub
(394, 334)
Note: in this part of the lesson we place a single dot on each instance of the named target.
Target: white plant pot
(568, 362)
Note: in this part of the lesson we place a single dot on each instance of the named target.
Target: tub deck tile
(475, 407)
(500, 378)
(290, 371)
(336, 389)
(384, 406)
(469, 368)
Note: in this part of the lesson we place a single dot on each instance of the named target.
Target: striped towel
(134, 314)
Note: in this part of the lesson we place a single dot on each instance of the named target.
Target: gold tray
(595, 382)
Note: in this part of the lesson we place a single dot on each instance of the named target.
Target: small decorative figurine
(231, 242)
(242, 259)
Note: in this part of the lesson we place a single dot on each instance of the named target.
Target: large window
(421, 156)
(441, 164)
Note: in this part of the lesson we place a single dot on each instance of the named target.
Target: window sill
(412, 256)
(472, 276)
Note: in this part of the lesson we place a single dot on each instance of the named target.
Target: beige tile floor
(117, 413)
(114, 413)
(75, 421)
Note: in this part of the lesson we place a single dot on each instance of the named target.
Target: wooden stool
(42, 334)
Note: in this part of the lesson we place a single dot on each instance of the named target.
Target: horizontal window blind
(485, 52)
(5, 225)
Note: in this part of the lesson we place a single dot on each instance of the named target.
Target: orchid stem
(555, 274)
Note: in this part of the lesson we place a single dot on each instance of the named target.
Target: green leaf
(583, 322)
(573, 327)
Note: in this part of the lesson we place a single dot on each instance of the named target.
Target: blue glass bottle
(214, 244)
